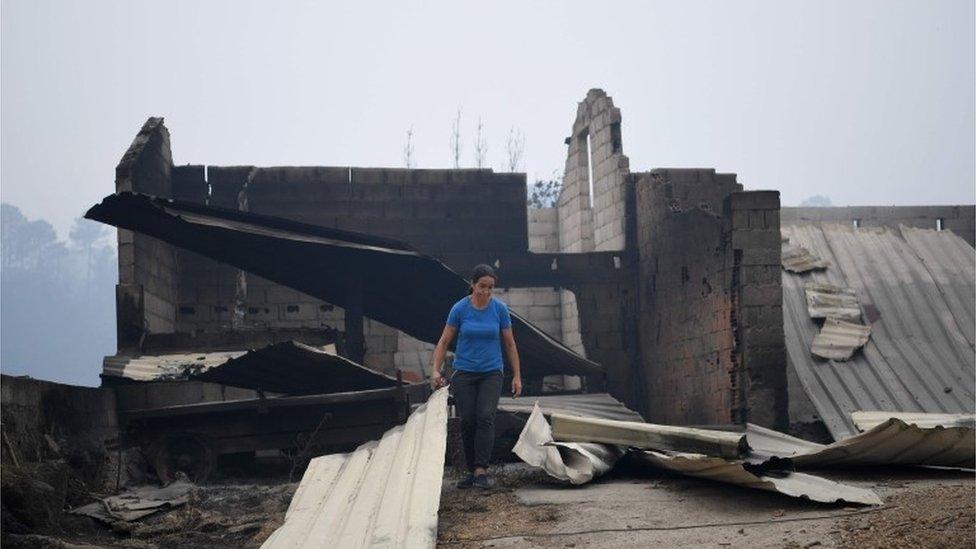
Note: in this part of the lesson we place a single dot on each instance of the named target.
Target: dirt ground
(933, 517)
(218, 516)
(526, 508)
(923, 508)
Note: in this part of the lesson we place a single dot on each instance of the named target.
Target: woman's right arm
(439, 352)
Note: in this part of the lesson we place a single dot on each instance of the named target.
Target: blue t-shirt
(479, 346)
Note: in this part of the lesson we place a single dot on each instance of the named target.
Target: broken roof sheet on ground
(402, 288)
(915, 287)
(289, 367)
(386, 493)
(580, 462)
(600, 405)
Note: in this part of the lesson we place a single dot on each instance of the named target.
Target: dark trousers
(476, 399)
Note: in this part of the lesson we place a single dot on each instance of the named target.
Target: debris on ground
(137, 503)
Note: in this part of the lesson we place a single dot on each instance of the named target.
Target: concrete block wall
(146, 294)
(80, 419)
(961, 220)
(754, 220)
(711, 332)
(441, 212)
(543, 229)
(686, 332)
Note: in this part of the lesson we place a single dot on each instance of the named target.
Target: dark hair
(480, 271)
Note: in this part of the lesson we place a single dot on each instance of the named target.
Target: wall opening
(615, 140)
(940, 224)
(589, 167)
(857, 223)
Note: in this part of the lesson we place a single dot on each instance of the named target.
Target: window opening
(589, 167)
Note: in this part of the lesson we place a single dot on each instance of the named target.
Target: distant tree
(456, 140)
(84, 235)
(545, 193)
(516, 147)
(816, 201)
(480, 146)
(58, 314)
(408, 149)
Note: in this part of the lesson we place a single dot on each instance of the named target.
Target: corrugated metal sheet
(798, 259)
(164, 367)
(920, 357)
(386, 493)
(866, 421)
(648, 435)
(290, 367)
(600, 405)
(790, 483)
(576, 462)
(937, 440)
(894, 442)
(321, 262)
(827, 300)
(581, 462)
(839, 339)
(296, 369)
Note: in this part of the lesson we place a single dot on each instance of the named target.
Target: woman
(485, 326)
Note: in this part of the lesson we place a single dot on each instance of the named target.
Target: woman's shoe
(465, 483)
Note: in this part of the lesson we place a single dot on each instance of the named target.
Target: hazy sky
(866, 102)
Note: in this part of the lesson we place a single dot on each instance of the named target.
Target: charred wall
(711, 340)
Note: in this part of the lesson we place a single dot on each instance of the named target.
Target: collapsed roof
(915, 290)
(402, 288)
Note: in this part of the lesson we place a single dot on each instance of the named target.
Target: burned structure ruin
(670, 279)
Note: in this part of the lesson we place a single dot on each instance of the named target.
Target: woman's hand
(516, 386)
(437, 380)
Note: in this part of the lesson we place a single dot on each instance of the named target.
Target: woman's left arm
(508, 340)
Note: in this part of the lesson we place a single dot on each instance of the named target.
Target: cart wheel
(188, 453)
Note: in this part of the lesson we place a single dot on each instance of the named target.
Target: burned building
(670, 279)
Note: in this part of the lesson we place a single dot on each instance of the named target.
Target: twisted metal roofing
(321, 262)
(916, 291)
(600, 405)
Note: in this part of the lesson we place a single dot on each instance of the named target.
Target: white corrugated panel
(838, 339)
(384, 494)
